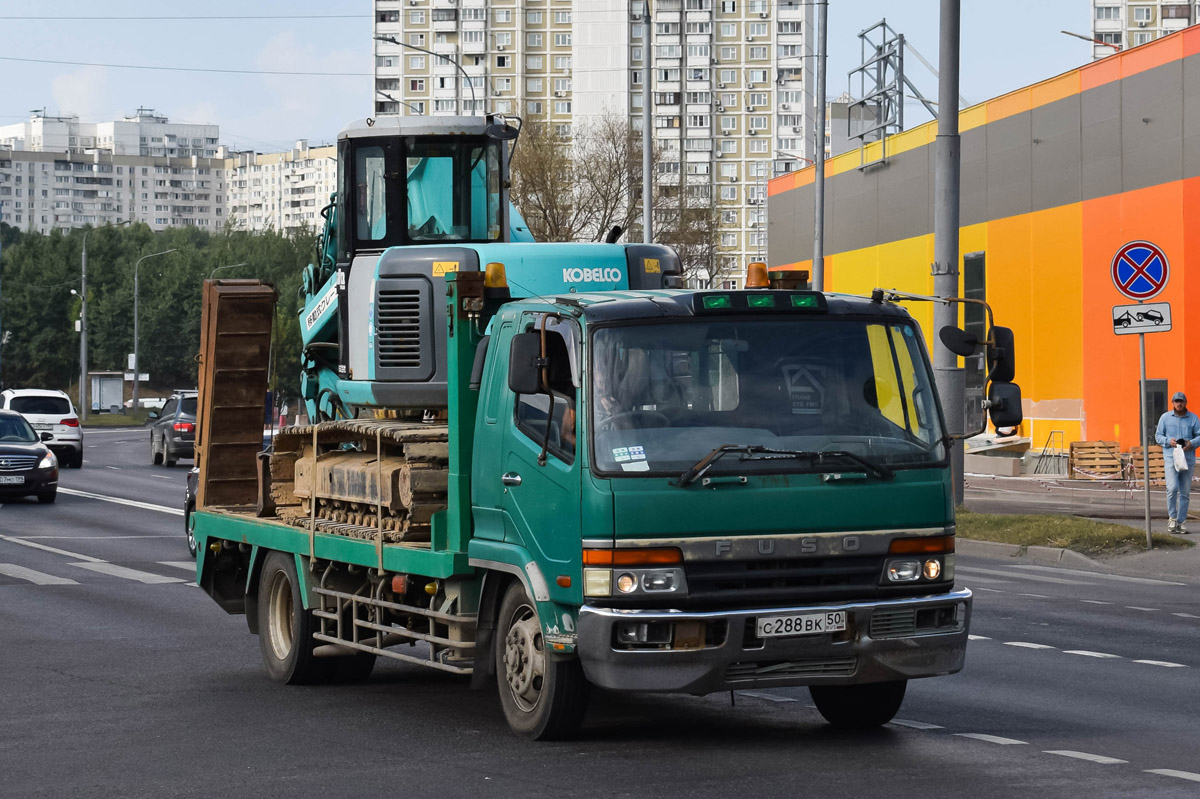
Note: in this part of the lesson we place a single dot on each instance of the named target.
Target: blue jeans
(1179, 488)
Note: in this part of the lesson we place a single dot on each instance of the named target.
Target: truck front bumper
(884, 640)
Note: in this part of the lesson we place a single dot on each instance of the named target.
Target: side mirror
(958, 341)
(152, 415)
(1001, 358)
(47, 436)
(1004, 404)
(524, 369)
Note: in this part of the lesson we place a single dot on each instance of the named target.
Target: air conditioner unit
(749, 38)
(720, 85)
(733, 178)
(717, 154)
(762, 14)
(752, 200)
(560, 94)
(412, 2)
(720, 109)
(749, 85)
(751, 224)
(752, 132)
(499, 48)
(784, 106)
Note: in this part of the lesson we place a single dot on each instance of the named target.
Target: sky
(1006, 44)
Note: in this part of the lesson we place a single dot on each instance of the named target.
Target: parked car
(52, 412)
(27, 466)
(189, 505)
(173, 429)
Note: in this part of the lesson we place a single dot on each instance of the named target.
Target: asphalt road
(122, 679)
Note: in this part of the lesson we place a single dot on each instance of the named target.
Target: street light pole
(136, 365)
(227, 266)
(83, 352)
(457, 95)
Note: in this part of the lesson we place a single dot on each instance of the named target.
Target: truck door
(541, 502)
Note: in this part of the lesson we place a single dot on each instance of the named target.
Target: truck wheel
(187, 527)
(285, 628)
(155, 455)
(859, 707)
(543, 698)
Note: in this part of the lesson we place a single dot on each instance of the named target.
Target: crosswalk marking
(127, 573)
(130, 502)
(992, 739)
(45, 548)
(186, 565)
(36, 577)
(1102, 759)
(1097, 575)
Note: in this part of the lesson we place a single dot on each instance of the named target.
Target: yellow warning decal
(441, 268)
(652, 267)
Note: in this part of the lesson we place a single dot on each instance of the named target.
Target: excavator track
(368, 478)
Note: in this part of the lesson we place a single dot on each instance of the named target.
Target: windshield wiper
(756, 452)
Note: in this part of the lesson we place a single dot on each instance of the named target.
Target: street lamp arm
(470, 85)
(1093, 40)
(227, 266)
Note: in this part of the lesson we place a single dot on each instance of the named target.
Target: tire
(155, 455)
(168, 456)
(47, 497)
(77, 460)
(285, 628)
(859, 707)
(543, 698)
(187, 527)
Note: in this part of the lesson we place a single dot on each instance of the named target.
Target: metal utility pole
(950, 379)
(83, 352)
(818, 264)
(136, 364)
(647, 128)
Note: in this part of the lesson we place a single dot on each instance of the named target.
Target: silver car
(49, 411)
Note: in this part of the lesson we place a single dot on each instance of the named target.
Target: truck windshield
(665, 395)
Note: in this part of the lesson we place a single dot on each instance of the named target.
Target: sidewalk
(1103, 500)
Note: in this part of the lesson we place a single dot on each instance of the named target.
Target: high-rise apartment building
(729, 82)
(281, 191)
(1121, 24)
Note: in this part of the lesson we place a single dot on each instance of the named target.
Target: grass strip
(1085, 536)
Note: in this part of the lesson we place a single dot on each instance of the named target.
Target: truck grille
(901, 622)
(403, 349)
(789, 669)
(756, 582)
(18, 463)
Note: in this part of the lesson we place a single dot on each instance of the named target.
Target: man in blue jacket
(1178, 427)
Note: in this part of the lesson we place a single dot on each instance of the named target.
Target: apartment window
(699, 5)
(758, 169)
(699, 120)
(445, 14)
(668, 75)
(667, 50)
(384, 61)
(533, 62)
(729, 217)
(757, 75)
(729, 170)
(728, 124)
(757, 6)
(502, 15)
(445, 83)
(699, 27)
(698, 73)
(533, 107)
(562, 40)
(563, 130)
(728, 239)
(503, 61)
(757, 123)
(562, 84)
(699, 50)
(728, 77)
(474, 14)
(699, 97)
(729, 193)
(635, 53)
(635, 77)
(1110, 38)
(503, 39)
(533, 39)
(791, 50)
(697, 145)
(728, 6)
(668, 168)
(729, 53)
(790, 27)
(1142, 14)
(416, 62)
(758, 53)
(701, 168)
(1142, 37)
(503, 106)
(562, 62)
(416, 17)
(1108, 12)
(758, 145)
(1176, 12)
(562, 107)
(666, 28)
(637, 31)
(728, 29)
(416, 85)
(417, 38)
(562, 17)
(533, 85)
(444, 106)
(758, 98)
(533, 17)
(756, 29)
(472, 37)
(666, 98)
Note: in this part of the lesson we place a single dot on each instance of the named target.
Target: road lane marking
(1037, 578)
(1088, 654)
(1035, 596)
(1170, 772)
(1095, 602)
(161, 477)
(1084, 756)
(1185, 616)
(1027, 645)
(992, 739)
(987, 580)
(130, 502)
(1144, 610)
(978, 638)
(1164, 663)
(126, 573)
(1119, 577)
(54, 550)
(187, 565)
(754, 694)
(916, 725)
(114, 468)
(37, 578)
(989, 590)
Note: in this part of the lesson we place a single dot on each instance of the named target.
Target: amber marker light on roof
(756, 275)
(494, 276)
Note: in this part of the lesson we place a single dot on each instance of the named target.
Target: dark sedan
(27, 466)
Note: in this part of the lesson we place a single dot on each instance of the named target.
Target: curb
(1053, 555)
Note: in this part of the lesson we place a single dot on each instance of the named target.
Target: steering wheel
(612, 422)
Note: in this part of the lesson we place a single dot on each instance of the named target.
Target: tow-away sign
(1146, 317)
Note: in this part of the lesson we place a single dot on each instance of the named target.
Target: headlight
(48, 462)
(904, 571)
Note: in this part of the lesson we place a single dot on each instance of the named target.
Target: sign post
(1140, 271)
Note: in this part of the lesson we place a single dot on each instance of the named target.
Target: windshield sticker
(805, 388)
(628, 454)
(636, 466)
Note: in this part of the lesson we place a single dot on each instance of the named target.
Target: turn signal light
(666, 556)
(922, 546)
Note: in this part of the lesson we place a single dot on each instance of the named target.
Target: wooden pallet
(1095, 460)
(1156, 465)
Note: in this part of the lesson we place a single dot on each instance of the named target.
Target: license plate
(801, 624)
(12, 479)
(43, 427)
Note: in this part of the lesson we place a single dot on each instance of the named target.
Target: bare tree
(695, 236)
(544, 183)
